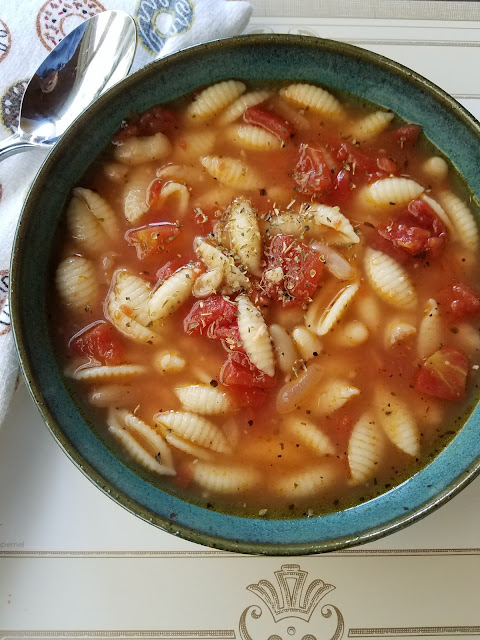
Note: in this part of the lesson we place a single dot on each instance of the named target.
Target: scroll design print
(10, 105)
(4, 306)
(158, 20)
(292, 601)
(5, 40)
(57, 17)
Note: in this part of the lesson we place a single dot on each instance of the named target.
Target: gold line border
(187, 634)
(392, 632)
(362, 553)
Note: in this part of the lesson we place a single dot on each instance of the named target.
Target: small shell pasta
(194, 428)
(194, 144)
(392, 191)
(440, 212)
(321, 319)
(371, 125)
(201, 453)
(169, 362)
(137, 452)
(203, 398)
(366, 447)
(309, 434)
(179, 193)
(307, 343)
(170, 295)
(351, 334)
(214, 99)
(252, 137)
(84, 228)
(430, 330)
(76, 283)
(224, 479)
(461, 218)
(397, 422)
(284, 348)
(136, 194)
(163, 455)
(305, 483)
(241, 104)
(140, 150)
(255, 337)
(101, 209)
(332, 218)
(231, 172)
(208, 283)
(245, 234)
(105, 372)
(389, 279)
(214, 258)
(314, 98)
(128, 326)
(130, 293)
(435, 168)
(332, 395)
(398, 330)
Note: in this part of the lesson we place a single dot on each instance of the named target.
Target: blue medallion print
(158, 20)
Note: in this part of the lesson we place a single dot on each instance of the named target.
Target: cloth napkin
(28, 31)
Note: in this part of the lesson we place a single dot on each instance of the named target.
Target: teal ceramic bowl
(255, 58)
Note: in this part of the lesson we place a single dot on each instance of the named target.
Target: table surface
(74, 564)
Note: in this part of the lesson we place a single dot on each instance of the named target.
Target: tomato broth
(268, 298)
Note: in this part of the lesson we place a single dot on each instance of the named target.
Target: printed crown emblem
(291, 598)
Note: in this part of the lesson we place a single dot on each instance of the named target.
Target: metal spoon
(88, 61)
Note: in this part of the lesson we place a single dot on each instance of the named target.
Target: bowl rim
(18, 328)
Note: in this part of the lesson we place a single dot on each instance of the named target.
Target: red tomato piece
(157, 120)
(312, 173)
(444, 375)
(342, 187)
(358, 161)
(100, 342)
(152, 238)
(407, 135)
(301, 267)
(387, 165)
(169, 268)
(417, 230)
(214, 317)
(252, 397)
(239, 371)
(270, 121)
(460, 301)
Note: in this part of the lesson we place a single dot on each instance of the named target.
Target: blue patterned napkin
(28, 31)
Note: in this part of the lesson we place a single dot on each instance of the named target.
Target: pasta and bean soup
(268, 297)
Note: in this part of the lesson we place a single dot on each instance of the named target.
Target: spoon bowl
(89, 60)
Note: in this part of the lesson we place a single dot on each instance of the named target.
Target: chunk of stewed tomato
(459, 301)
(169, 268)
(407, 135)
(239, 370)
(152, 238)
(292, 272)
(265, 119)
(100, 342)
(416, 230)
(216, 318)
(155, 120)
(444, 375)
(312, 173)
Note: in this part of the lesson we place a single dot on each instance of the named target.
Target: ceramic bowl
(257, 57)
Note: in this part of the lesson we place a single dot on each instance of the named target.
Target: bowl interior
(251, 58)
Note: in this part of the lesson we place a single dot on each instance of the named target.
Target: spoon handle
(13, 144)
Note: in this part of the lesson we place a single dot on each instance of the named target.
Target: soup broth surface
(268, 298)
